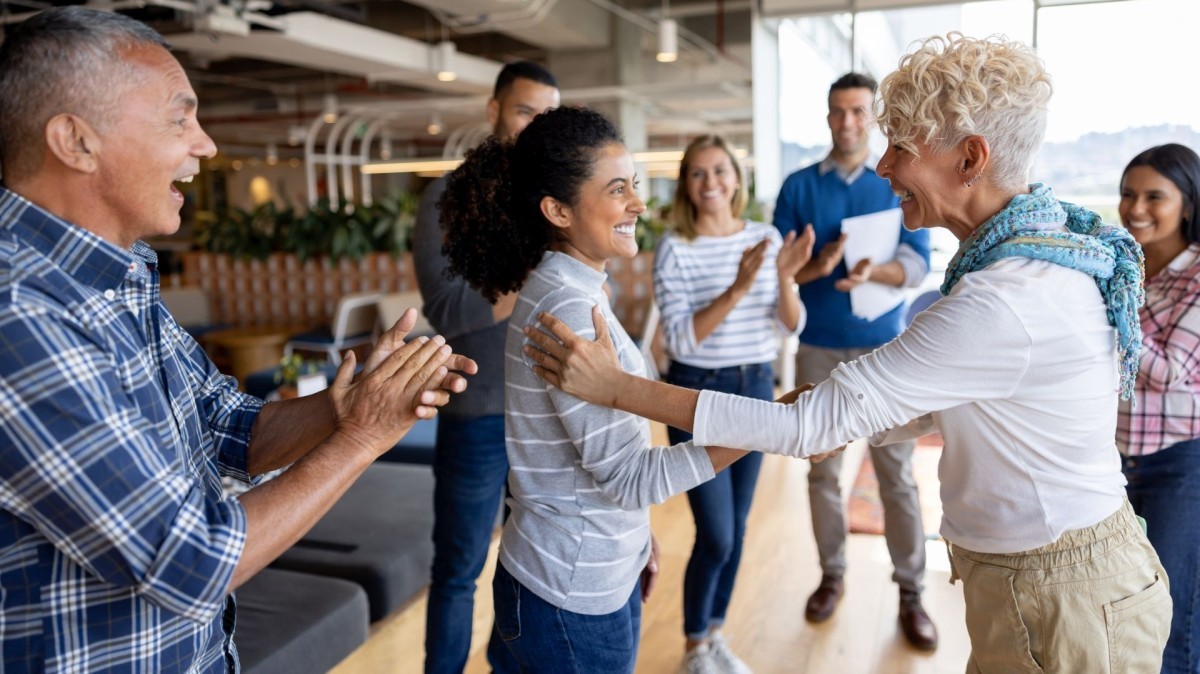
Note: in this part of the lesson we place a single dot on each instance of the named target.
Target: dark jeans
(469, 471)
(545, 638)
(720, 505)
(1164, 488)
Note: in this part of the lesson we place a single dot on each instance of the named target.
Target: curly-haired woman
(543, 215)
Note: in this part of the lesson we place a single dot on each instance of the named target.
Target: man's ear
(73, 142)
(558, 214)
(493, 112)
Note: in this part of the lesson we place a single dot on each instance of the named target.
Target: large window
(1122, 77)
(814, 51)
(1123, 81)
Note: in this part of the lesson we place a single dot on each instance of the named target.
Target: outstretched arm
(565, 358)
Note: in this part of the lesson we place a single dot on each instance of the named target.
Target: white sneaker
(726, 660)
(699, 660)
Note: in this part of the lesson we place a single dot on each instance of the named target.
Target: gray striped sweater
(581, 477)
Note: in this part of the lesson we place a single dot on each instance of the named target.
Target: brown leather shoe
(915, 622)
(824, 600)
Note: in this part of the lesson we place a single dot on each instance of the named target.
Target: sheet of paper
(874, 236)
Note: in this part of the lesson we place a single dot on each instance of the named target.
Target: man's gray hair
(62, 60)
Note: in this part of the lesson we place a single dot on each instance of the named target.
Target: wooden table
(251, 349)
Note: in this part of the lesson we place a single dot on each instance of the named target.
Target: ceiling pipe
(688, 36)
(488, 22)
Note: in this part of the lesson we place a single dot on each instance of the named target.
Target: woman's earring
(971, 181)
(962, 169)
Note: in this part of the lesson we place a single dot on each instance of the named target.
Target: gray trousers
(897, 489)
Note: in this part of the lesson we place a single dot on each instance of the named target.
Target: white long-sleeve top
(1016, 367)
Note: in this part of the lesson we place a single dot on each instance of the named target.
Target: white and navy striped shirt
(690, 275)
(581, 477)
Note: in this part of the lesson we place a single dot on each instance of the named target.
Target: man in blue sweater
(842, 185)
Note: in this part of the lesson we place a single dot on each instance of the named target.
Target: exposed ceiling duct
(550, 24)
(324, 43)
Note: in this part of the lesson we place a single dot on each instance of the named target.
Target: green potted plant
(652, 224)
(291, 369)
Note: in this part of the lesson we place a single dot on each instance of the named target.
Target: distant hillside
(1089, 166)
(1092, 165)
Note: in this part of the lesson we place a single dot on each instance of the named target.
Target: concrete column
(629, 70)
(768, 161)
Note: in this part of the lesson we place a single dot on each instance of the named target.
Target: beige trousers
(1095, 601)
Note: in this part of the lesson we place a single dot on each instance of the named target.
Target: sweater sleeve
(970, 346)
(452, 306)
(674, 299)
(611, 444)
(786, 217)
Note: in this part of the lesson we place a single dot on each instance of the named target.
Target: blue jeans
(720, 505)
(1164, 488)
(469, 469)
(544, 638)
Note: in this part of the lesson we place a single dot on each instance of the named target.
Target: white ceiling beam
(327, 44)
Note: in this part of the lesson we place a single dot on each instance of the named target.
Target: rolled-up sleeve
(229, 414)
(915, 266)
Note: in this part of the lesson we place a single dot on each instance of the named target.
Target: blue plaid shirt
(116, 546)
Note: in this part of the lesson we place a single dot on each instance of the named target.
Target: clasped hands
(400, 383)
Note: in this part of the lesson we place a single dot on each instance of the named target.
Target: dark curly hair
(491, 213)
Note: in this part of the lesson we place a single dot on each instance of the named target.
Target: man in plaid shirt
(118, 552)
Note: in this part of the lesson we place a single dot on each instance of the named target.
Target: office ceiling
(264, 68)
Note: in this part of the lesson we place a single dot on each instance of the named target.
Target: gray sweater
(581, 477)
(458, 313)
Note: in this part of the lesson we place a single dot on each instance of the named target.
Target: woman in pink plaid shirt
(1160, 439)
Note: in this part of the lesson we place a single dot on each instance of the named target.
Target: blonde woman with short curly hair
(1019, 365)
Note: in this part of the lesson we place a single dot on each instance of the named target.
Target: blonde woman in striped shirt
(717, 281)
(1160, 439)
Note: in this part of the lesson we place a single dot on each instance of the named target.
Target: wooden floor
(766, 623)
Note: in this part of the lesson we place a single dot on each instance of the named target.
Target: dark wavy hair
(491, 212)
(1179, 164)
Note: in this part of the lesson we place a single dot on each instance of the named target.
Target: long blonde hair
(683, 211)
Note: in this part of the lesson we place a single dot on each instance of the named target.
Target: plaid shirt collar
(87, 258)
(1182, 263)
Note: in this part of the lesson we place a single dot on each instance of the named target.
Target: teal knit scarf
(1029, 227)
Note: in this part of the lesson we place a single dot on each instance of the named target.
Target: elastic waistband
(1073, 547)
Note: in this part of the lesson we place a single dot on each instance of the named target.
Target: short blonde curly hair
(956, 86)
